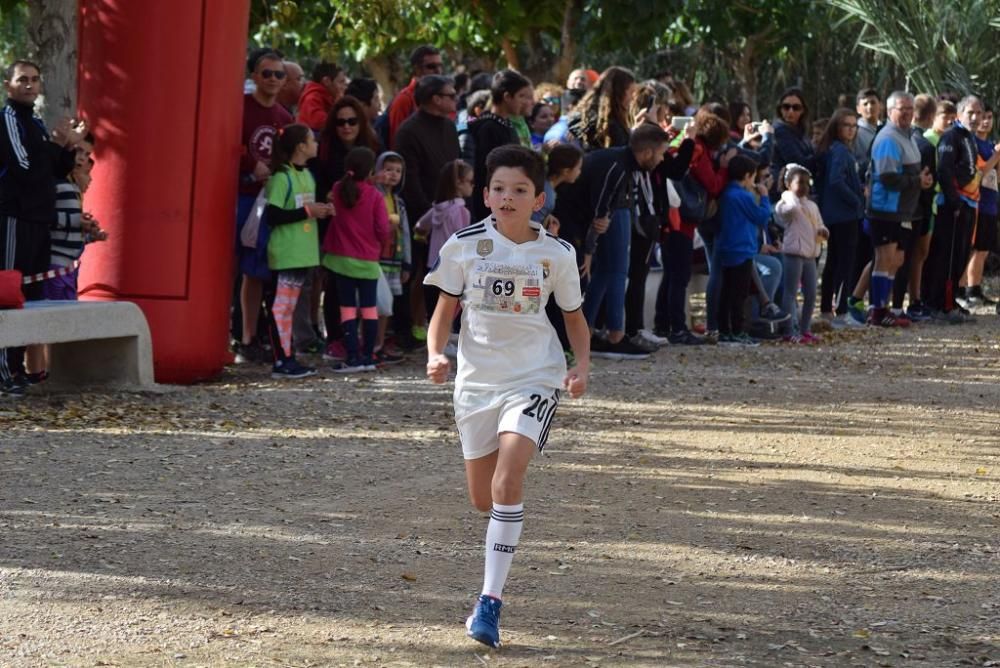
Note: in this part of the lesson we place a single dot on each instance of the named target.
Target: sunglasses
(277, 74)
(352, 121)
(791, 107)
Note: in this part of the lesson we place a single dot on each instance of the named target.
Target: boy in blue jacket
(744, 210)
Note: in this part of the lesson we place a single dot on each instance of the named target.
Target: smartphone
(755, 126)
(680, 122)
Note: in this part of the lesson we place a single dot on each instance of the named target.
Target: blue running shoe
(856, 309)
(484, 623)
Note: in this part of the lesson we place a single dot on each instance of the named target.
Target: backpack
(467, 143)
(694, 199)
(253, 234)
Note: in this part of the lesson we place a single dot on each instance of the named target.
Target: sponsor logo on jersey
(546, 266)
(484, 247)
(531, 291)
(509, 549)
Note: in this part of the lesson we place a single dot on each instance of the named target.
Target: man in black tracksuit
(30, 164)
(957, 155)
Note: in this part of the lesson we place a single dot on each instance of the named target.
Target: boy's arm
(438, 363)
(578, 333)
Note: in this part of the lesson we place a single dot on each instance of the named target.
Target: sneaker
(773, 313)
(881, 317)
(685, 338)
(962, 298)
(626, 350)
(727, 340)
(977, 292)
(792, 338)
(343, 366)
(918, 312)
(653, 337)
(856, 309)
(902, 320)
(12, 390)
(744, 339)
(36, 378)
(385, 357)
(335, 352)
(248, 353)
(419, 333)
(601, 348)
(952, 317)
(289, 368)
(698, 328)
(368, 364)
(643, 344)
(711, 337)
(484, 623)
(811, 339)
(846, 321)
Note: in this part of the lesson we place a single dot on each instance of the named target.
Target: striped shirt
(68, 238)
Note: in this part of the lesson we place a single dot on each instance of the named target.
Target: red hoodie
(315, 104)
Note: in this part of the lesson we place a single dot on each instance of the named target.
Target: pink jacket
(358, 232)
(802, 225)
(442, 220)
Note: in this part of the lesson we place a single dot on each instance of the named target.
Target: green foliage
(13, 31)
(941, 46)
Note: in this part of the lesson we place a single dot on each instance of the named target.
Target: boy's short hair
(925, 108)
(740, 166)
(517, 157)
(946, 107)
(647, 135)
(429, 86)
(323, 70)
(866, 93)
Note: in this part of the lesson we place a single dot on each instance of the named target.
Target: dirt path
(711, 507)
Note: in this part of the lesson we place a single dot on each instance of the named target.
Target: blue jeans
(609, 273)
(769, 269)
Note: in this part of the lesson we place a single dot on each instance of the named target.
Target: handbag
(694, 199)
(11, 295)
(251, 232)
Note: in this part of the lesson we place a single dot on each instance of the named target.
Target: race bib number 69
(508, 288)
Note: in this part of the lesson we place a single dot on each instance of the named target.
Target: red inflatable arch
(160, 84)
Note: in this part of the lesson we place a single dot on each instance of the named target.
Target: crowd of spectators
(882, 213)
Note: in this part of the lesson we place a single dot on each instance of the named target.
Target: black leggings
(735, 289)
(839, 268)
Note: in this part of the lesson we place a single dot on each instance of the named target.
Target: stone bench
(91, 343)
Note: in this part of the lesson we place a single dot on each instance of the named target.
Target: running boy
(511, 366)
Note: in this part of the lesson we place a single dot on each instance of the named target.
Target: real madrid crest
(484, 247)
(545, 268)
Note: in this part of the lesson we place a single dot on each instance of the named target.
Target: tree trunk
(52, 30)
(510, 54)
(567, 42)
(381, 71)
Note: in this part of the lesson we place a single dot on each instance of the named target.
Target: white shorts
(482, 416)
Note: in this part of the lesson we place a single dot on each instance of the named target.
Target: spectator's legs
(792, 268)
(608, 275)
(331, 308)
(739, 280)
(942, 242)
(638, 271)
(808, 295)
(839, 267)
(677, 264)
(713, 290)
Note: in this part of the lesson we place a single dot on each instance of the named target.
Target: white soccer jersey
(506, 340)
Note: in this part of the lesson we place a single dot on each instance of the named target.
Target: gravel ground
(810, 506)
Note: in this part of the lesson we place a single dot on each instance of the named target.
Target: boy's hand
(576, 382)
(438, 367)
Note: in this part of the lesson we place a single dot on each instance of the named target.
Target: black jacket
(427, 143)
(30, 165)
(956, 153)
(488, 132)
